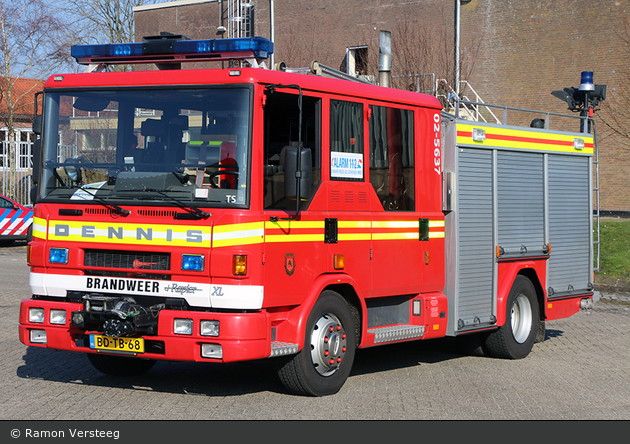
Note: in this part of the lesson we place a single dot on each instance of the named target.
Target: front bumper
(242, 336)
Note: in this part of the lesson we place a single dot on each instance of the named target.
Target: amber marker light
(239, 265)
(339, 261)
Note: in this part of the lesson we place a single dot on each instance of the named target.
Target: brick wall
(195, 20)
(533, 47)
(512, 52)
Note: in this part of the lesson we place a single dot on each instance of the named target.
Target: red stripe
(524, 139)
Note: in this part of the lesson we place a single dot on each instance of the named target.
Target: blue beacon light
(173, 49)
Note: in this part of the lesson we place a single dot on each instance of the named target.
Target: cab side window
(282, 131)
(346, 140)
(392, 172)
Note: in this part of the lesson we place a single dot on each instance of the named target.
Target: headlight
(36, 315)
(183, 326)
(58, 317)
(38, 336)
(58, 256)
(214, 351)
(209, 328)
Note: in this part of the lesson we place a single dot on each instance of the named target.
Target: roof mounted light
(586, 83)
(168, 48)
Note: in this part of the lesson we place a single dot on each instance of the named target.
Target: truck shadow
(232, 379)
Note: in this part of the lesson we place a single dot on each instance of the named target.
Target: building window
(357, 61)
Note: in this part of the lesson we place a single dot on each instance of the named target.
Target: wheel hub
(328, 344)
(522, 320)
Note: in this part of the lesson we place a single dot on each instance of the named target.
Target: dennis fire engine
(241, 213)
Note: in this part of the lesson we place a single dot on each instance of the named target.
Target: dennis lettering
(95, 283)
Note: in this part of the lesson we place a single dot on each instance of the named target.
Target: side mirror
(37, 125)
(291, 184)
(33, 194)
(37, 159)
(73, 172)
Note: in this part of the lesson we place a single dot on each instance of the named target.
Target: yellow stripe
(395, 236)
(239, 227)
(153, 234)
(238, 234)
(395, 224)
(39, 228)
(294, 238)
(292, 224)
(354, 224)
(223, 235)
(354, 236)
(529, 140)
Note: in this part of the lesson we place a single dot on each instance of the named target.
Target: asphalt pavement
(580, 372)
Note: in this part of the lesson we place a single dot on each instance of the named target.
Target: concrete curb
(611, 283)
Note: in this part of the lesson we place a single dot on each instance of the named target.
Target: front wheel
(323, 365)
(515, 339)
(120, 365)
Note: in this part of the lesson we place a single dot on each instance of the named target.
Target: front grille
(157, 213)
(130, 260)
(103, 211)
(127, 274)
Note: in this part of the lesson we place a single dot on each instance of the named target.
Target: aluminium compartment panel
(475, 250)
(569, 262)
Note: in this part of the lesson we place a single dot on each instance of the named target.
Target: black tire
(515, 339)
(323, 365)
(542, 331)
(120, 365)
(471, 344)
(6, 243)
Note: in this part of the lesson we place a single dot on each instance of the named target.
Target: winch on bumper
(168, 333)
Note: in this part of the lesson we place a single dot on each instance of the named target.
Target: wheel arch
(342, 284)
(540, 292)
(535, 271)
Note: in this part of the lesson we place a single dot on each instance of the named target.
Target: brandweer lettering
(122, 285)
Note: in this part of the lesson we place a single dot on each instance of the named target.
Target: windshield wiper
(101, 200)
(196, 211)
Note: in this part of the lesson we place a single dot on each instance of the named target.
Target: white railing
(469, 104)
(16, 181)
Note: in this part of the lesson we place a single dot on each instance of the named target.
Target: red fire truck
(240, 213)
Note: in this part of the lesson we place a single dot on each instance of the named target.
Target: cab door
(397, 224)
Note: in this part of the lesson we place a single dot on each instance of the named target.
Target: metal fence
(16, 162)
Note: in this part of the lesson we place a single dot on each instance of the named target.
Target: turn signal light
(239, 265)
(339, 261)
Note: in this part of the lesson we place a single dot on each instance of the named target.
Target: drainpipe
(384, 58)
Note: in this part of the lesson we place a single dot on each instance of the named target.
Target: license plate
(127, 345)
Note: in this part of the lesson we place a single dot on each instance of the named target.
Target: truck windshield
(174, 146)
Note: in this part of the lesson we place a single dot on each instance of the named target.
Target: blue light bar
(174, 51)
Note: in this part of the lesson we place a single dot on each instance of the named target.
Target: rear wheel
(120, 365)
(515, 339)
(323, 365)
